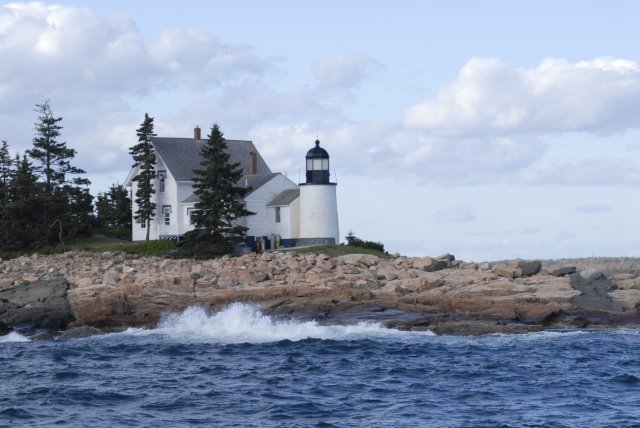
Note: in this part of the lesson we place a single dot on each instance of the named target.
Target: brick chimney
(196, 133)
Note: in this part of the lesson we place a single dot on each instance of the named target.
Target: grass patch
(157, 248)
(338, 250)
(100, 244)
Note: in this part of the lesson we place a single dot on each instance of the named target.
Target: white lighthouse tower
(318, 204)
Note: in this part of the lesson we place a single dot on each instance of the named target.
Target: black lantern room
(317, 165)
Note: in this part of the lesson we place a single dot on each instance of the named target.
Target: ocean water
(239, 367)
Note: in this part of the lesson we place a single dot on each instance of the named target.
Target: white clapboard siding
(262, 224)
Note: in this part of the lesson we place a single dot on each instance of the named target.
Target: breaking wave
(244, 323)
(13, 337)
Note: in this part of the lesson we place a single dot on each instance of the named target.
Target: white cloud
(455, 214)
(345, 71)
(92, 67)
(380, 149)
(592, 208)
(600, 96)
(57, 48)
(610, 171)
(101, 74)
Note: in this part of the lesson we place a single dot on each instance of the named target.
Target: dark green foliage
(144, 158)
(44, 199)
(354, 241)
(221, 202)
(7, 168)
(6, 165)
(66, 203)
(201, 244)
(79, 220)
(52, 158)
(159, 248)
(21, 223)
(113, 212)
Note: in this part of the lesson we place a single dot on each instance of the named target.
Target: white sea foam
(14, 337)
(243, 323)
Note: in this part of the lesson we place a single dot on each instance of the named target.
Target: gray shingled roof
(191, 199)
(253, 181)
(182, 155)
(256, 181)
(284, 198)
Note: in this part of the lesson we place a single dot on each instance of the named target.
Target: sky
(490, 130)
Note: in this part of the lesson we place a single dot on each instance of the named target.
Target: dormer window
(162, 177)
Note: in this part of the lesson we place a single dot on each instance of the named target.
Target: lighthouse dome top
(317, 152)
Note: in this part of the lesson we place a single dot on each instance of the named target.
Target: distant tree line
(45, 199)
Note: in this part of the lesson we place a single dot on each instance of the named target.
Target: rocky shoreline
(85, 293)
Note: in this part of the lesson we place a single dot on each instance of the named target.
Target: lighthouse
(318, 204)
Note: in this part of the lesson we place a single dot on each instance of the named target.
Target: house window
(277, 214)
(166, 210)
(162, 177)
(143, 225)
(190, 214)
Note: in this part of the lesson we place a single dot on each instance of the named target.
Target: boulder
(362, 260)
(4, 329)
(567, 270)
(594, 293)
(79, 332)
(529, 268)
(422, 263)
(591, 274)
(447, 257)
(469, 266)
(437, 265)
(484, 267)
(506, 271)
(100, 304)
(41, 303)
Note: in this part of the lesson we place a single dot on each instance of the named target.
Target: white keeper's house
(287, 214)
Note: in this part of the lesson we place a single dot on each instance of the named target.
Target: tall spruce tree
(144, 158)
(221, 202)
(62, 182)
(25, 206)
(6, 164)
(7, 168)
(53, 158)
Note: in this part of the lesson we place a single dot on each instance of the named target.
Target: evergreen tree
(7, 167)
(80, 220)
(53, 158)
(121, 205)
(221, 202)
(24, 207)
(113, 212)
(62, 185)
(145, 158)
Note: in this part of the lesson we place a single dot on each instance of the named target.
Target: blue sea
(239, 367)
